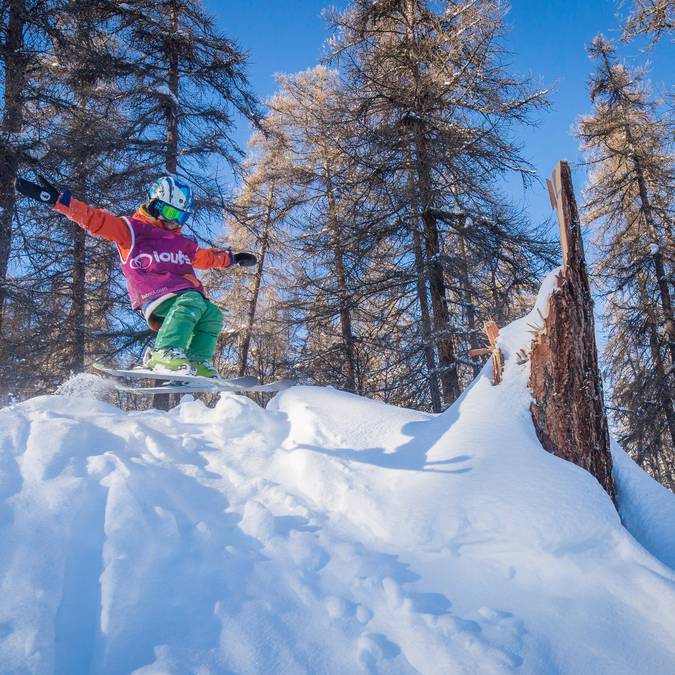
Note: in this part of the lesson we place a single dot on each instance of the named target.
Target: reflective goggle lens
(172, 213)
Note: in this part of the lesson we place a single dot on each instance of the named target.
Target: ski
(188, 388)
(187, 384)
(277, 385)
(144, 374)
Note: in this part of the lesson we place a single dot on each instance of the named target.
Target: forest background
(393, 194)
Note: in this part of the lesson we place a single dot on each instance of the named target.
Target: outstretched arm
(99, 222)
(206, 258)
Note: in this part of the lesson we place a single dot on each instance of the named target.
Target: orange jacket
(102, 223)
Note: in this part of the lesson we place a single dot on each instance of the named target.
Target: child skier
(158, 262)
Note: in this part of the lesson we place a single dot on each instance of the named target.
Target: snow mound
(326, 534)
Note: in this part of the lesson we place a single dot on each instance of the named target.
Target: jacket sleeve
(99, 222)
(206, 258)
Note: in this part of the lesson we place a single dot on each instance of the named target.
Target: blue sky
(546, 39)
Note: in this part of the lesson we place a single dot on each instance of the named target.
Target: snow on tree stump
(568, 407)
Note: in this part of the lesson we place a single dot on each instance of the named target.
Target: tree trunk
(468, 293)
(163, 401)
(78, 301)
(648, 215)
(171, 104)
(666, 400)
(422, 195)
(657, 257)
(429, 356)
(568, 407)
(14, 77)
(420, 282)
(257, 280)
(341, 278)
(496, 298)
(439, 303)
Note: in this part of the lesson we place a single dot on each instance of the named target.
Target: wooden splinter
(491, 330)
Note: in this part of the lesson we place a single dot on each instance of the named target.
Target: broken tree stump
(568, 404)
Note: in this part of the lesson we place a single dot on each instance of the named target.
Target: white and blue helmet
(172, 191)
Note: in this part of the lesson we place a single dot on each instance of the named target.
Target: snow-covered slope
(647, 508)
(326, 534)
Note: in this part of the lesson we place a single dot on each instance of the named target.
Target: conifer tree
(25, 121)
(132, 90)
(268, 193)
(307, 116)
(436, 104)
(651, 18)
(88, 151)
(15, 65)
(629, 199)
(189, 85)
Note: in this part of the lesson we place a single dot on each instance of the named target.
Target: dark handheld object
(45, 193)
(244, 259)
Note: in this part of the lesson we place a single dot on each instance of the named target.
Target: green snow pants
(191, 323)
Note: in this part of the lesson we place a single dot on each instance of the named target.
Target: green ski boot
(168, 361)
(205, 369)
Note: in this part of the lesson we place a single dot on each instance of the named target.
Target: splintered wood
(561, 206)
(491, 330)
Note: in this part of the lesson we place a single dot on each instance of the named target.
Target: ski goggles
(172, 214)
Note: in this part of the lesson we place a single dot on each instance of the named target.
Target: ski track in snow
(326, 534)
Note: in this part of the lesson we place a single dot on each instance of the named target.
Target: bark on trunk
(163, 401)
(171, 106)
(78, 301)
(666, 401)
(568, 407)
(648, 215)
(257, 281)
(429, 356)
(468, 294)
(341, 278)
(439, 303)
(14, 77)
(657, 259)
(421, 287)
(422, 197)
(77, 314)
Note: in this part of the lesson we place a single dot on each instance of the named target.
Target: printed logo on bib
(141, 262)
(178, 258)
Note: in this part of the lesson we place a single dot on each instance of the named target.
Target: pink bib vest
(159, 263)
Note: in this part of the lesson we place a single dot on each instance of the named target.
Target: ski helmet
(172, 191)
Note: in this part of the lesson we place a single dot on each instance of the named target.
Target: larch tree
(23, 126)
(88, 153)
(306, 113)
(15, 63)
(268, 194)
(190, 86)
(436, 106)
(629, 200)
(650, 18)
(131, 91)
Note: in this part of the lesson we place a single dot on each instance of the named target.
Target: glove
(46, 194)
(244, 259)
